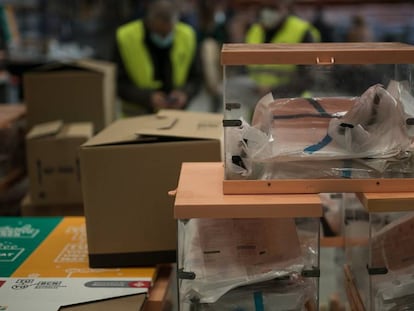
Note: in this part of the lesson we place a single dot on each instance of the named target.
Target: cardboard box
(81, 91)
(126, 178)
(53, 162)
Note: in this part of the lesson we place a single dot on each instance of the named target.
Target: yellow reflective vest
(293, 31)
(137, 61)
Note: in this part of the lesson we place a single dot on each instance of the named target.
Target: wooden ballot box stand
(244, 248)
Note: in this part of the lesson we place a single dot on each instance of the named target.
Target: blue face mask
(162, 42)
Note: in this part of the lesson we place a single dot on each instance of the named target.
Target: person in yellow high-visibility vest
(157, 61)
(277, 25)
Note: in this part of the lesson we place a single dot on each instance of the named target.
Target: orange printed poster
(44, 266)
(64, 253)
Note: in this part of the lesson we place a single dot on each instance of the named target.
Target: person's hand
(159, 100)
(177, 99)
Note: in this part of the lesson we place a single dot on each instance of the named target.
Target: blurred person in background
(359, 78)
(157, 61)
(212, 34)
(277, 24)
(325, 29)
(359, 30)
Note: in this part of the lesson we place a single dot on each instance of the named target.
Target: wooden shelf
(318, 185)
(387, 202)
(317, 53)
(244, 3)
(349, 2)
(200, 195)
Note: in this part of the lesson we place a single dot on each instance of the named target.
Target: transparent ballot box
(244, 252)
(341, 114)
(379, 251)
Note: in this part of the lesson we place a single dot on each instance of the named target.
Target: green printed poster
(19, 237)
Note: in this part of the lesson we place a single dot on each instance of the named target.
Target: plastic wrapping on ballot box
(328, 137)
(329, 113)
(291, 293)
(225, 254)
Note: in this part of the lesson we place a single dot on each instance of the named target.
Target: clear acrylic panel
(320, 120)
(392, 260)
(356, 223)
(234, 263)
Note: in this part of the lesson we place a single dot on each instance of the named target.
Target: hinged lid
(318, 53)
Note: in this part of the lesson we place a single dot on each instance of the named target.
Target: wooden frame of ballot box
(374, 203)
(318, 54)
(199, 195)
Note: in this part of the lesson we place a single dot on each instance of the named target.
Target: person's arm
(193, 84)
(126, 89)
(184, 94)
(308, 37)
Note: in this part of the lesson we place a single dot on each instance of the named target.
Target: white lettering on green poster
(19, 237)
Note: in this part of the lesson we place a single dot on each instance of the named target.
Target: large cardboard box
(53, 162)
(80, 91)
(126, 178)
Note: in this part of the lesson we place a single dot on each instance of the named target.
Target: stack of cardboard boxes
(119, 178)
(53, 168)
(66, 104)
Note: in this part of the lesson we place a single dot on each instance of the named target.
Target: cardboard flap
(80, 129)
(57, 66)
(166, 123)
(80, 65)
(185, 124)
(45, 129)
(95, 65)
(121, 131)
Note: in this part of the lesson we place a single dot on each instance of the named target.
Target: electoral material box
(318, 117)
(235, 250)
(53, 162)
(127, 171)
(79, 91)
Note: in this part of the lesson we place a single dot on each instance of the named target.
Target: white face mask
(162, 42)
(269, 18)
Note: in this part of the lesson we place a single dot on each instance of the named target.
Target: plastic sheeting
(333, 137)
